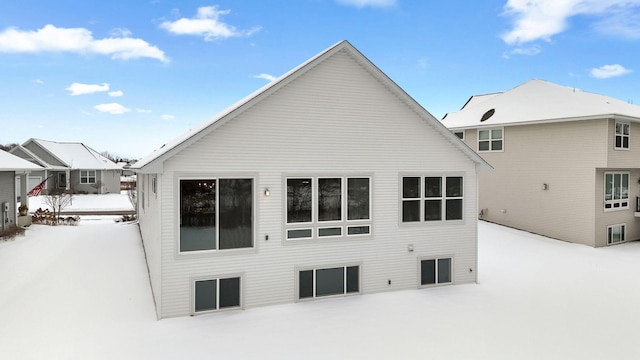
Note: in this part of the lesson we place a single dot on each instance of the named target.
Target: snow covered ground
(87, 202)
(82, 292)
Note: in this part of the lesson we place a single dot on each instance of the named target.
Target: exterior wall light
(267, 192)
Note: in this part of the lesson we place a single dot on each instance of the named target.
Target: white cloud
(206, 24)
(112, 108)
(144, 111)
(167, 117)
(265, 76)
(120, 32)
(365, 3)
(528, 51)
(82, 89)
(541, 19)
(76, 40)
(607, 71)
(116, 93)
(38, 81)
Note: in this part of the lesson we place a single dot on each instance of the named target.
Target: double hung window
(616, 190)
(215, 294)
(341, 280)
(435, 271)
(216, 214)
(622, 135)
(432, 198)
(490, 140)
(322, 207)
(87, 176)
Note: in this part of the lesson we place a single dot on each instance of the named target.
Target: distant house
(329, 181)
(11, 167)
(70, 166)
(566, 162)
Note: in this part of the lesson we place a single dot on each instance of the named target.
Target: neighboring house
(70, 166)
(328, 181)
(566, 161)
(11, 167)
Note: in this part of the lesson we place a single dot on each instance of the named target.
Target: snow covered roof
(538, 101)
(76, 155)
(10, 162)
(158, 156)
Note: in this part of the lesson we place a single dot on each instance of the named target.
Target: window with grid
(87, 176)
(616, 190)
(432, 198)
(490, 140)
(324, 207)
(622, 135)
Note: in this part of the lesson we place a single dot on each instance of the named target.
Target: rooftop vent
(487, 115)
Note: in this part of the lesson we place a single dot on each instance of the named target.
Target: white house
(70, 166)
(11, 167)
(566, 161)
(329, 181)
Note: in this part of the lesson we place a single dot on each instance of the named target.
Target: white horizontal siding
(336, 119)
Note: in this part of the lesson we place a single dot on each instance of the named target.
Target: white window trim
(422, 198)
(623, 234)
(614, 201)
(87, 176)
(452, 262)
(209, 252)
(315, 268)
(193, 281)
(622, 136)
(490, 139)
(315, 225)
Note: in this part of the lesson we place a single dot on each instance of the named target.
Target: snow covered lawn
(83, 293)
(87, 202)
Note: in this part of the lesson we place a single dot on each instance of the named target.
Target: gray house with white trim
(12, 168)
(329, 181)
(71, 166)
(566, 161)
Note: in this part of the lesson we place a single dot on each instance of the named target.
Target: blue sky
(128, 76)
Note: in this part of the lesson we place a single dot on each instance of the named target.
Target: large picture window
(622, 135)
(432, 198)
(87, 176)
(616, 190)
(490, 140)
(215, 294)
(216, 214)
(435, 271)
(323, 207)
(327, 282)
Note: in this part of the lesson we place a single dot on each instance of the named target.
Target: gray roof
(539, 101)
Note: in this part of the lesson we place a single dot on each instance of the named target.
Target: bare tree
(8, 147)
(58, 200)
